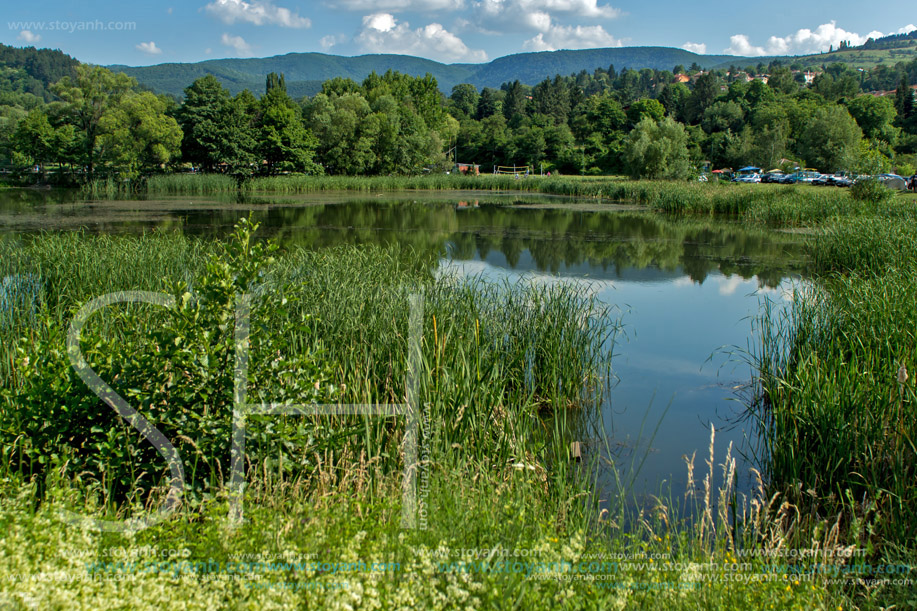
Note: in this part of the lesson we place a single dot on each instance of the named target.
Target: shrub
(176, 365)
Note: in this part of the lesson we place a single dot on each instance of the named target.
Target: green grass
(768, 205)
(509, 375)
(837, 423)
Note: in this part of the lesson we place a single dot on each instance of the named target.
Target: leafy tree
(88, 98)
(723, 116)
(831, 140)
(465, 99)
(137, 134)
(645, 108)
(488, 104)
(781, 80)
(706, 90)
(658, 150)
(200, 116)
(904, 100)
(236, 134)
(673, 97)
(33, 141)
(284, 142)
(515, 102)
(875, 117)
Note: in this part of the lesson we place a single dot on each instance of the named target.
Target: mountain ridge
(306, 71)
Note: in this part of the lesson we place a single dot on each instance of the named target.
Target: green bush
(872, 191)
(176, 364)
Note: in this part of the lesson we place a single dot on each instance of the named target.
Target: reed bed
(496, 360)
(836, 398)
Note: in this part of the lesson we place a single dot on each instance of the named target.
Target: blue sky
(108, 32)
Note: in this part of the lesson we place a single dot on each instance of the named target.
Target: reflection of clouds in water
(684, 281)
(589, 287)
(728, 285)
(788, 291)
(666, 365)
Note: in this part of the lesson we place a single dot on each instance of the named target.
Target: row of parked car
(813, 177)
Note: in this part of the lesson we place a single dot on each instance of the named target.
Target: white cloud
(803, 41)
(397, 6)
(149, 48)
(581, 8)
(331, 40)
(907, 29)
(382, 33)
(257, 12)
(238, 43)
(29, 37)
(695, 47)
(570, 37)
(497, 16)
(740, 45)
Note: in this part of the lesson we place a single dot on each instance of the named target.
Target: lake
(687, 291)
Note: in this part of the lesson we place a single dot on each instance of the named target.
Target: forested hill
(30, 70)
(305, 72)
(532, 68)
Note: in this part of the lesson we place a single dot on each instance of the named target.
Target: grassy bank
(769, 205)
(836, 398)
(508, 376)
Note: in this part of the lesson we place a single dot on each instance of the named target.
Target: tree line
(645, 123)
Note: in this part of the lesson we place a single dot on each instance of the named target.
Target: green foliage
(831, 141)
(89, 99)
(658, 150)
(836, 413)
(179, 374)
(875, 117)
(137, 136)
(284, 142)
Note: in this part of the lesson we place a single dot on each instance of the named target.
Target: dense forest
(62, 121)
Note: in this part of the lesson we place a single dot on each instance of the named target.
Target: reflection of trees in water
(615, 242)
(555, 238)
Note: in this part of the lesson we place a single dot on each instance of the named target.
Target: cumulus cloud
(238, 43)
(570, 37)
(382, 33)
(257, 12)
(537, 14)
(149, 48)
(331, 40)
(803, 41)
(695, 47)
(29, 37)
(740, 45)
(397, 6)
(907, 29)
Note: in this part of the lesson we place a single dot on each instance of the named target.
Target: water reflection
(686, 288)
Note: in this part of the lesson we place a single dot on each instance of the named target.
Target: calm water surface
(686, 291)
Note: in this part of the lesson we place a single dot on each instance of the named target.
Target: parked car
(748, 174)
(775, 176)
(747, 178)
(802, 177)
(841, 179)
